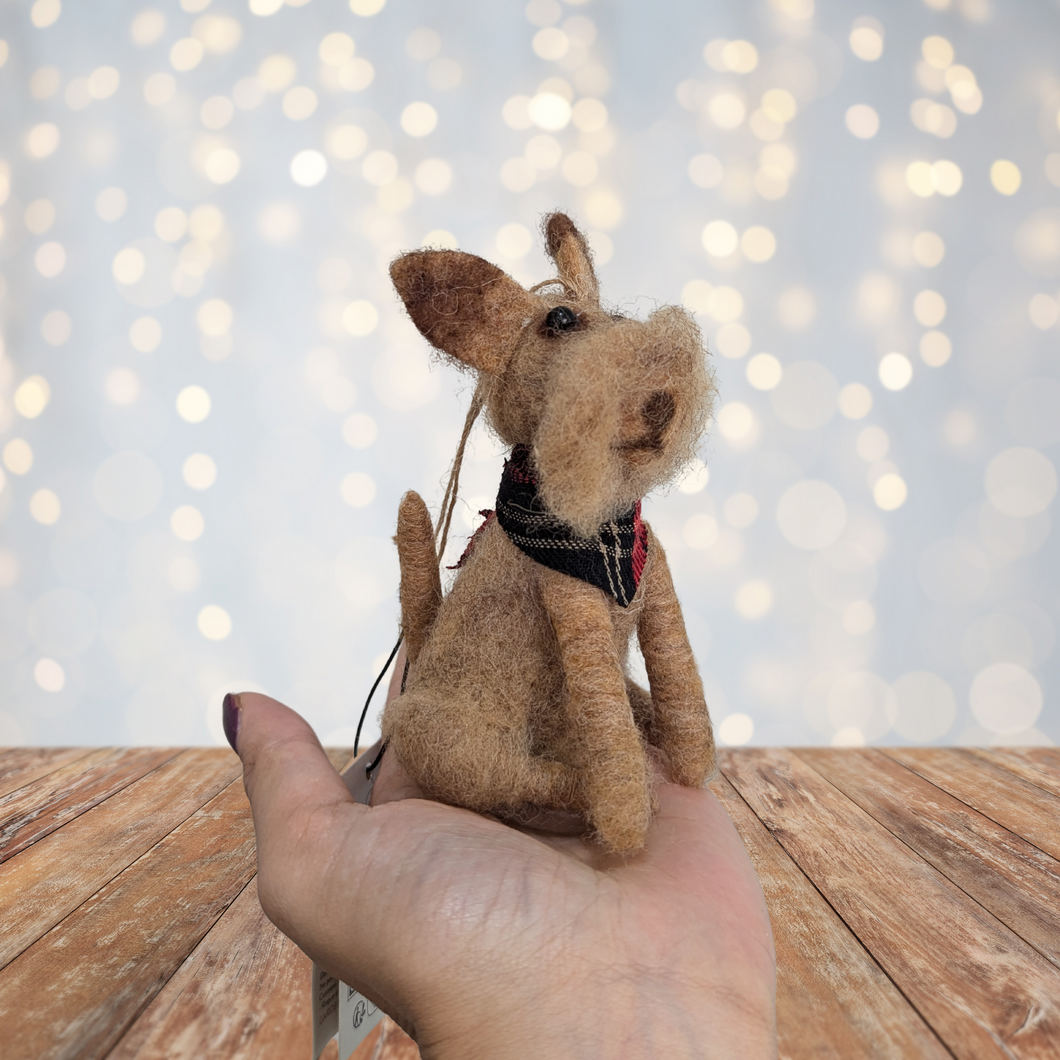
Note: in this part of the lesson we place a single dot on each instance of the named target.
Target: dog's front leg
(612, 756)
(680, 724)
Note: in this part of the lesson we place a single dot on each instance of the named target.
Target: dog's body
(517, 697)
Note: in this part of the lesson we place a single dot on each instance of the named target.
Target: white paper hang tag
(339, 1010)
(358, 1017)
(325, 991)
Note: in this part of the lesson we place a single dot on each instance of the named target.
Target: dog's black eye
(561, 319)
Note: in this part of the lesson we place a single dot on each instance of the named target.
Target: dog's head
(611, 407)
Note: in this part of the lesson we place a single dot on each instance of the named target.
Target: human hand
(484, 941)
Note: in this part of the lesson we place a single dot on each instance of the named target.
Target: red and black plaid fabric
(612, 560)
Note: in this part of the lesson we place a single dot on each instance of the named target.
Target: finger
(284, 766)
(295, 795)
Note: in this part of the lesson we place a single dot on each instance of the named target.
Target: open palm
(482, 940)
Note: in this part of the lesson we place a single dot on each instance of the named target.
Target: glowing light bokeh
(211, 402)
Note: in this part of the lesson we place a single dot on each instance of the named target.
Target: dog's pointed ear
(569, 249)
(463, 305)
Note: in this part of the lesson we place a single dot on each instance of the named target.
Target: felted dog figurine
(516, 697)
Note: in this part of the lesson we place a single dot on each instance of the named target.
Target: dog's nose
(658, 411)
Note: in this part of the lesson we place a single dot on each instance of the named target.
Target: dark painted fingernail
(230, 719)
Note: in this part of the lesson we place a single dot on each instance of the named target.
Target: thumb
(295, 795)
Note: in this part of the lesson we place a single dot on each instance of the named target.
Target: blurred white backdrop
(210, 401)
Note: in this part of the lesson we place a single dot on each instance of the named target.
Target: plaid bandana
(612, 560)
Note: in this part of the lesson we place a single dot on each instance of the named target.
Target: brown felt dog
(517, 698)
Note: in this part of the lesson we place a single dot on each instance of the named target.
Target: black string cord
(368, 701)
(372, 766)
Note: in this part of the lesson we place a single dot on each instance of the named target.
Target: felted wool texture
(625, 408)
(611, 410)
(569, 249)
(421, 583)
(517, 695)
(463, 305)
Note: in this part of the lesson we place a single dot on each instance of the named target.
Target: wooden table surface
(915, 898)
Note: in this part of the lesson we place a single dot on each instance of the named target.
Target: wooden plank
(243, 995)
(87, 979)
(23, 765)
(1047, 758)
(996, 792)
(983, 990)
(35, 810)
(833, 999)
(54, 876)
(243, 992)
(1015, 880)
(1038, 765)
(395, 1045)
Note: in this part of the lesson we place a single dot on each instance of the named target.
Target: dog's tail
(421, 584)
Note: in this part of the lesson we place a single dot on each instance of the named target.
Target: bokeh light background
(211, 402)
